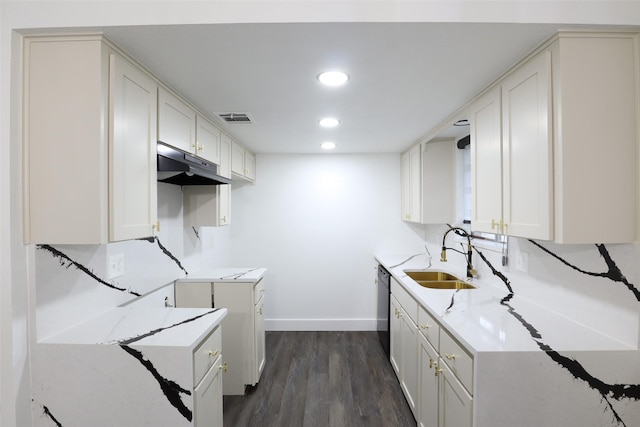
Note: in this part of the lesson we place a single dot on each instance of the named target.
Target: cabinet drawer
(206, 354)
(428, 327)
(458, 360)
(405, 299)
(258, 291)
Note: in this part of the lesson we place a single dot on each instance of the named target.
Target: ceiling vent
(236, 118)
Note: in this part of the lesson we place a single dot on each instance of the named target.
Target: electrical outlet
(115, 268)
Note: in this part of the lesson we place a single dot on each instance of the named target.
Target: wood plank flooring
(323, 379)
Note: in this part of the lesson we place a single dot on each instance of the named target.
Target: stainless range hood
(181, 168)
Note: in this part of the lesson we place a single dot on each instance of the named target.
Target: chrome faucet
(462, 232)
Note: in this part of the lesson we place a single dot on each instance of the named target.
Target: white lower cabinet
(207, 368)
(454, 403)
(435, 372)
(244, 329)
(208, 398)
(404, 343)
(429, 390)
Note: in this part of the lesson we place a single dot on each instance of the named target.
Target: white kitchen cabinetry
(210, 205)
(428, 182)
(176, 122)
(486, 162)
(208, 368)
(244, 329)
(243, 162)
(207, 140)
(438, 181)
(411, 188)
(526, 150)
(568, 139)
(404, 342)
(429, 385)
(445, 375)
(89, 143)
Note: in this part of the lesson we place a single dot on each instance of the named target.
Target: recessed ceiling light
(328, 145)
(333, 78)
(329, 122)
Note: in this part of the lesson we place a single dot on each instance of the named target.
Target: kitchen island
(132, 366)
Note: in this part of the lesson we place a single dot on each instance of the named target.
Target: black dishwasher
(384, 297)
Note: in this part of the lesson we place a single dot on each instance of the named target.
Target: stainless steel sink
(438, 280)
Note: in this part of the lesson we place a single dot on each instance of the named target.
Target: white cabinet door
(259, 340)
(249, 165)
(411, 188)
(223, 192)
(455, 404)
(176, 122)
(429, 389)
(207, 140)
(208, 410)
(438, 182)
(409, 366)
(237, 159)
(527, 150)
(132, 166)
(486, 162)
(395, 352)
(243, 162)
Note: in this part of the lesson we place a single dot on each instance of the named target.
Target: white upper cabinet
(176, 122)
(133, 184)
(428, 182)
(243, 162)
(563, 127)
(595, 99)
(89, 143)
(411, 190)
(526, 150)
(439, 182)
(486, 162)
(207, 140)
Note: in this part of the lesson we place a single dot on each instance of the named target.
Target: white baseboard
(320, 324)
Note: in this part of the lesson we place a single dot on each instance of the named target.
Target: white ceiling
(405, 77)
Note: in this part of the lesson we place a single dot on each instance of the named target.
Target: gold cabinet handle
(213, 353)
(432, 363)
(224, 366)
(425, 326)
(438, 370)
(450, 356)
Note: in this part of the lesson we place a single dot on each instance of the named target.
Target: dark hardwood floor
(324, 379)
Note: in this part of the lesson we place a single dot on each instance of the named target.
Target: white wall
(15, 304)
(315, 222)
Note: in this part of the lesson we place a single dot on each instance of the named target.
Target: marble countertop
(229, 274)
(483, 321)
(143, 326)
